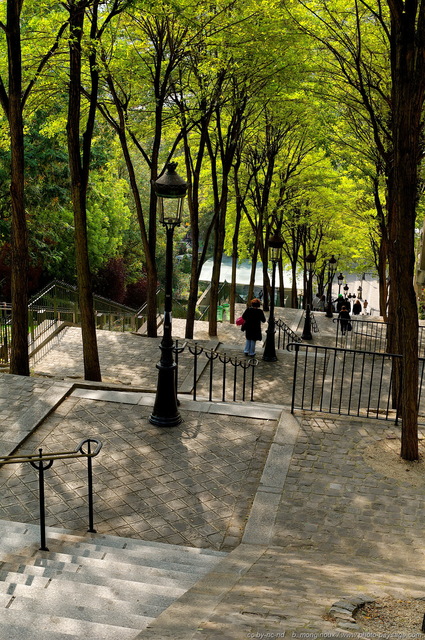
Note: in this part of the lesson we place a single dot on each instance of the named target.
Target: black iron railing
(43, 461)
(343, 381)
(221, 376)
(285, 335)
(5, 332)
(365, 335)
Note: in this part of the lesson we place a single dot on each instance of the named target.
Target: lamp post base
(269, 353)
(165, 412)
(307, 335)
(165, 421)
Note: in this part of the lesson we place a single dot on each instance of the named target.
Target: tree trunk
(294, 297)
(220, 232)
(408, 87)
(19, 362)
(79, 179)
(235, 256)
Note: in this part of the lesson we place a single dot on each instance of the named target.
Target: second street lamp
(170, 189)
(340, 281)
(275, 244)
(331, 273)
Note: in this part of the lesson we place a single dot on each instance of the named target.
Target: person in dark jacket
(253, 317)
(344, 319)
(340, 302)
(357, 307)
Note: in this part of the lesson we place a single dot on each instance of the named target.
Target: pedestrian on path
(357, 307)
(344, 320)
(253, 317)
(365, 311)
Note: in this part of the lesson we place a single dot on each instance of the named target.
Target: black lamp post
(340, 279)
(331, 274)
(310, 260)
(345, 291)
(170, 189)
(275, 244)
(359, 293)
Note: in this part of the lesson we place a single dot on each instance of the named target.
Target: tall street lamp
(310, 260)
(275, 245)
(331, 274)
(340, 281)
(170, 190)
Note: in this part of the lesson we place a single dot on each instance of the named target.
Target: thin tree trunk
(79, 178)
(19, 362)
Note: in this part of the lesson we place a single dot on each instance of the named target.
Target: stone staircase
(94, 586)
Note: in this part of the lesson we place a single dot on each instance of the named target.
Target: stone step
(91, 589)
(102, 605)
(89, 585)
(36, 626)
(48, 567)
(11, 532)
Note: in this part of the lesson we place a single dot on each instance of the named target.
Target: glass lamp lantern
(310, 260)
(170, 190)
(275, 245)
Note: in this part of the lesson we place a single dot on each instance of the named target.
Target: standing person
(357, 307)
(340, 302)
(344, 319)
(365, 307)
(322, 302)
(253, 317)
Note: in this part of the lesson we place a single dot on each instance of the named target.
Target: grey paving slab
(108, 395)
(192, 485)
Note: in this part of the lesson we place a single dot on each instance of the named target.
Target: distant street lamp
(345, 291)
(170, 190)
(310, 260)
(340, 280)
(359, 293)
(331, 274)
(275, 245)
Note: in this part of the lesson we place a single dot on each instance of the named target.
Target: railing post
(91, 528)
(253, 364)
(294, 383)
(39, 466)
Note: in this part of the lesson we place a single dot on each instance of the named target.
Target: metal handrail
(287, 331)
(224, 359)
(44, 461)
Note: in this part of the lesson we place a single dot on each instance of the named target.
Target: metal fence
(343, 381)
(365, 335)
(56, 305)
(371, 335)
(217, 376)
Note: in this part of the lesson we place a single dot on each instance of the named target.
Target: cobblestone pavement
(191, 485)
(316, 521)
(340, 530)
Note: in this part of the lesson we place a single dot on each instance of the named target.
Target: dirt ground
(394, 615)
(384, 457)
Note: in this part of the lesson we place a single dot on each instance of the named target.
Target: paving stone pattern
(191, 485)
(334, 501)
(125, 359)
